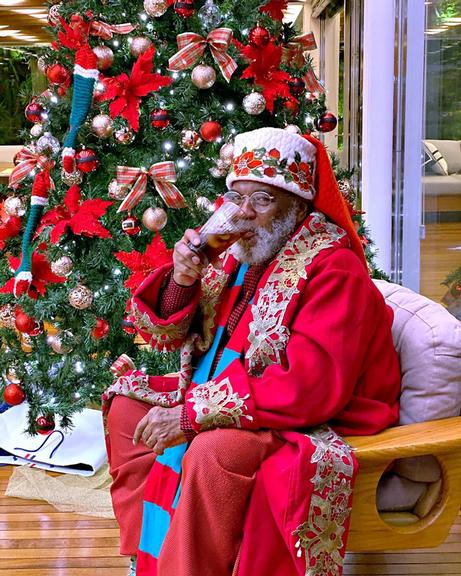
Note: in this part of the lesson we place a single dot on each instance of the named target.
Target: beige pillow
(438, 165)
(451, 152)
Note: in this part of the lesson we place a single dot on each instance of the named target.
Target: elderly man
(285, 333)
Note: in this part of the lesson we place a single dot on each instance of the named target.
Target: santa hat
(297, 164)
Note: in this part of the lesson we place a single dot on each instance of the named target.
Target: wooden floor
(37, 540)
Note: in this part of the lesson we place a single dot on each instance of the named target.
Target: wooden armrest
(434, 437)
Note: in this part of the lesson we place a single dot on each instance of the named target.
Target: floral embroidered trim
(213, 284)
(217, 405)
(268, 336)
(322, 535)
(261, 162)
(163, 338)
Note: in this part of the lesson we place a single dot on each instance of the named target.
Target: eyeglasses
(260, 201)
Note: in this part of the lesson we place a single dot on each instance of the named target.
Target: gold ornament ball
(203, 76)
(155, 8)
(117, 191)
(7, 316)
(124, 136)
(80, 297)
(102, 126)
(190, 140)
(104, 56)
(26, 343)
(139, 45)
(154, 219)
(254, 103)
(14, 206)
(62, 266)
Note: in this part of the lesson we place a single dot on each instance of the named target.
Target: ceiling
(22, 23)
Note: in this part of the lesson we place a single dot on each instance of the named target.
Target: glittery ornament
(53, 14)
(155, 8)
(131, 226)
(254, 103)
(104, 56)
(86, 160)
(80, 297)
(34, 112)
(102, 126)
(101, 329)
(327, 122)
(185, 8)
(116, 191)
(210, 130)
(7, 316)
(57, 344)
(190, 140)
(26, 343)
(203, 76)
(226, 152)
(57, 74)
(99, 91)
(124, 136)
(45, 425)
(14, 206)
(14, 395)
(205, 204)
(71, 178)
(218, 172)
(297, 86)
(259, 36)
(159, 119)
(154, 219)
(293, 129)
(48, 144)
(62, 266)
(209, 15)
(42, 65)
(139, 45)
(36, 130)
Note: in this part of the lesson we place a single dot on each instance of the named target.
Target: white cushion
(439, 165)
(451, 152)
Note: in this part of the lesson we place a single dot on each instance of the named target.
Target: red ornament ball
(184, 8)
(210, 131)
(327, 122)
(13, 394)
(297, 86)
(45, 425)
(259, 36)
(131, 226)
(160, 119)
(292, 107)
(57, 74)
(24, 323)
(86, 160)
(127, 325)
(101, 329)
(34, 112)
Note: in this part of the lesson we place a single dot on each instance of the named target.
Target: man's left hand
(159, 429)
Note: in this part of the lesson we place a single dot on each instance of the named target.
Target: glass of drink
(221, 230)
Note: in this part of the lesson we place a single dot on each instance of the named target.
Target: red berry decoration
(259, 36)
(131, 226)
(101, 329)
(159, 119)
(57, 74)
(13, 394)
(184, 8)
(45, 425)
(327, 122)
(210, 131)
(24, 323)
(297, 86)
(34, 112)
(86, 160)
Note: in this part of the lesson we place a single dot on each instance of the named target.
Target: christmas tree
(130, 145)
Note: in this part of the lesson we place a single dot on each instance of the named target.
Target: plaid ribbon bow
(312, 83)
(293, 52)
(28, 160)
(163, 175)
(106, 31)
(192, 46)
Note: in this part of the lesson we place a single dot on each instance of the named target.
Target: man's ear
(304, 208)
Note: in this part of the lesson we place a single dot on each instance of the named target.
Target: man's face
(271, 229)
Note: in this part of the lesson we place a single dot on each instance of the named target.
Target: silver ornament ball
(53, 14)
(62, 266)
(254, 103)
(14, 206)
(209, 15)
(102, 126)
(139, 45)
(36, 130)
(154, 219)
(203, 77)
(48, 144)
(104, 56)
(226, 152)
(155, 8)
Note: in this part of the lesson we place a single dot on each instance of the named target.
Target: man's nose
(247, 208)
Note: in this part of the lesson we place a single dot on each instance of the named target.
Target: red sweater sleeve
(341, 333)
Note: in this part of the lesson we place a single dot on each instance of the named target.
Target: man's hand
(159, 429)
(188, 266)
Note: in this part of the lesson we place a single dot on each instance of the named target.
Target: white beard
(265, 244)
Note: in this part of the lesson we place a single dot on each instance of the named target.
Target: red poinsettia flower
(275, 9)
(9, 227)
(301, 174)
(81, 218)
(74, 35)
(141, 265)
(127, 91)
(42, 275)
(245, 163)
